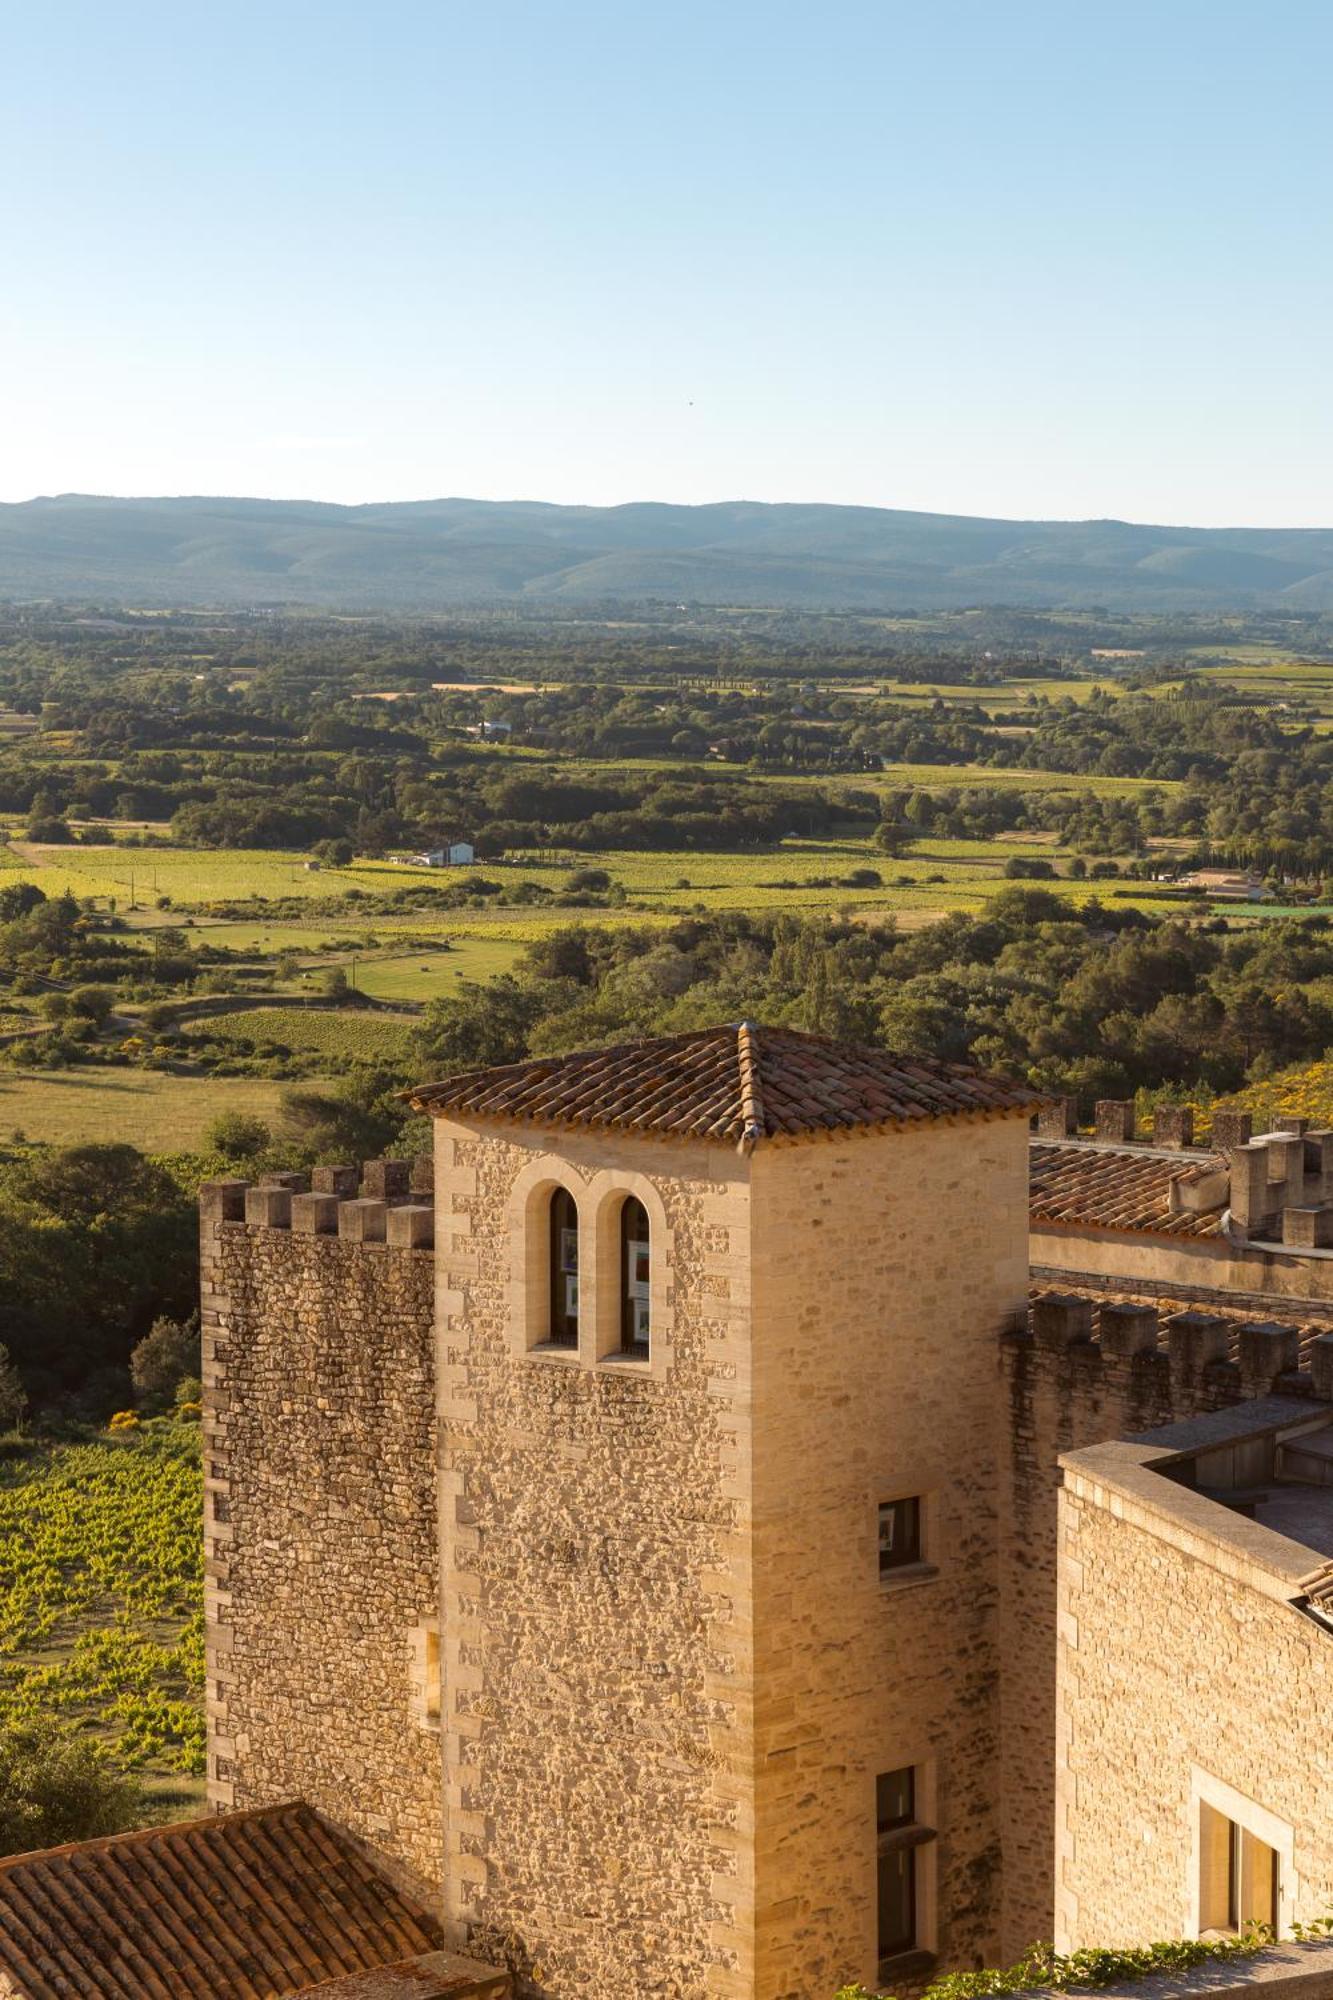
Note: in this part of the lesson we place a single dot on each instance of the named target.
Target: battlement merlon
(1203, 1354)
(386, 1202)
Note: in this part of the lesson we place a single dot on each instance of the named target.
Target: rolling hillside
(428, 555)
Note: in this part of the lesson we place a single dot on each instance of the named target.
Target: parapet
(381, 1201)
(1196, 1354)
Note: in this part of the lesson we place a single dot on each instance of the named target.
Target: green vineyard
(101, 1581)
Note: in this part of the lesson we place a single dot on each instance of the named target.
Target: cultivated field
(101, 1588)
(146, 1108)
(346, 1034)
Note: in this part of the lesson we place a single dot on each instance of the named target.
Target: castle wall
(885, 1265)
(320, 1531)
(1063, 1389)
(596, 1579)
(1182, 1667)
(1203, 1264)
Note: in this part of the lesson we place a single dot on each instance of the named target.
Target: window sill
(910, 1573)
(619, 1358)
(905, 1965)
(554, 1350)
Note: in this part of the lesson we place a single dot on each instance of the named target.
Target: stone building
(634, 1529)
(1194, 1774)
(635, 1599)
(637, 1523)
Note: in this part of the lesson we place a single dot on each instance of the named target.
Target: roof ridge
(752, 1089)
(156, 1830)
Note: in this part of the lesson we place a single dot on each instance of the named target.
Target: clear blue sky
(1032, 258)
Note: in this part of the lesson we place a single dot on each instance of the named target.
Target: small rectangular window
(432, 1664)
(899, 1534)
(900, 1843)
(424, 1663)
(1238, 1876)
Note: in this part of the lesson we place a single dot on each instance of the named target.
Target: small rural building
(1227, 882)
(459, 854)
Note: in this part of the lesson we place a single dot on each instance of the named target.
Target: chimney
(1059, 1120)
(1115, 1119)
(1231, 1129)
(1286, 1169)
(1249, 1200)
(1173, 1126)
(1308, 1228)
(1319, 1162)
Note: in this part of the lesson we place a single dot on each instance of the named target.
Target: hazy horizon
(657, 500)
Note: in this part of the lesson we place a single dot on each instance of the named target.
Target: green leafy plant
(1044, 1968)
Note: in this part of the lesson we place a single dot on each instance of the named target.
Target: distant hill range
(432, 554)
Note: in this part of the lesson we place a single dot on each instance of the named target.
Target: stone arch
(606, 1195)
(529, 1255)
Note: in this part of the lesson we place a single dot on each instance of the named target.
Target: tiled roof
(741, 1083)
(246, 1906)
(1113, 1187)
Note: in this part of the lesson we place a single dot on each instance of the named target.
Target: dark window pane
(895, 1799)
(897, 1901)
(899, 1534)
(635, 1289)
(564, 1261)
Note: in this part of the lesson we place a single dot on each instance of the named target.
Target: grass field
(101, 1597)
(937, 876)
(147, 1108)
(192, 876)
(491, 944)
(359, 1037)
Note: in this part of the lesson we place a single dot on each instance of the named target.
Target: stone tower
(715, 1336)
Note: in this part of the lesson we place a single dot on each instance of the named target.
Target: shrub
(55, 1787)
(1019, 868)
(91, 1003)
(1044, 1968)
(13, 1397)
(165, 1361)
(237, 1135)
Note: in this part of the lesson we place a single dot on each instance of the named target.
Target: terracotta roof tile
(245, 1906)
(1113, 1187)
(742, 1084)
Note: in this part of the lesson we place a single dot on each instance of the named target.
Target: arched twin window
(626, 1326)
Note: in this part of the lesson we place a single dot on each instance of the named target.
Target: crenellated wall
(322, 1570)
(1079, 1374)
